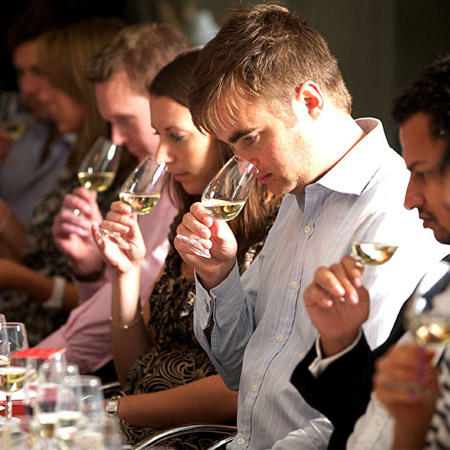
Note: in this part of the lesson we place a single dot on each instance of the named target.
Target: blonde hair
(63, 54)
(263, 53)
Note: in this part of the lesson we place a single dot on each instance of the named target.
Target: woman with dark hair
(166, 377)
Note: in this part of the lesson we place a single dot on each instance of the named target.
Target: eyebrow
(239, 134)
(414, 165)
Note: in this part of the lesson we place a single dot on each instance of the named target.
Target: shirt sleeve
(311, 437)
(230, 308)
(318, 366)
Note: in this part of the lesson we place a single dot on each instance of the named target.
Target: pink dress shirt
(85, 335)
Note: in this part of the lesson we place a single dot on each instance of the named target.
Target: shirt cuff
(207, 303)
(318, 366)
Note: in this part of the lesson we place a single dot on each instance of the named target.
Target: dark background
(381, 44)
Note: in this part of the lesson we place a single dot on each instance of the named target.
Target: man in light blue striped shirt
(268, 85)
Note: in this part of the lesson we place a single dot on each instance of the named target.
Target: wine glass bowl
(225, 195)
(13, 370)
(11, 114)
(428, 311)
(374, 242)
(100, 165)
(142, 189)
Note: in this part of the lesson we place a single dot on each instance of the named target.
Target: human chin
(441, 234)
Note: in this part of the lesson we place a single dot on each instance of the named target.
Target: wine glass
(91, 424)
(225, 196)
(100, 165)
(11, 113)
(50, 378)
(68, 409)
(13, 370)
(142, 189)
(428, 311)
(376, 239)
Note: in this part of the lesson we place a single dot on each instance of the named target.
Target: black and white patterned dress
(42, 255)
(176, 358)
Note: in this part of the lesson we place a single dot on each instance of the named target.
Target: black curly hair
(429, 94)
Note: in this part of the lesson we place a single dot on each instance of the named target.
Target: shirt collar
(366, 156)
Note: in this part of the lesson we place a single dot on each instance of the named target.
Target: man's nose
(413, 196)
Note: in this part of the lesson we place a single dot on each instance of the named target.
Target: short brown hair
(263, 52)
(141, 50)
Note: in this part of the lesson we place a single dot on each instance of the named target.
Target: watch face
(112, 405)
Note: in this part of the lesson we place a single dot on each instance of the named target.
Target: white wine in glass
(372, 242)
(11, 115)
(428, 311)
(13, 370)
(142, 189)
(99, 167)
(225, 195)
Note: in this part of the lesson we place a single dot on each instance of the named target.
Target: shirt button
(378, 421)
(206, 306)
(254, 388)
(307, 229)
(280, 338)
(294, 284)
(241, 441)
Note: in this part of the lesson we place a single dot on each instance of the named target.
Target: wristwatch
(112, 405)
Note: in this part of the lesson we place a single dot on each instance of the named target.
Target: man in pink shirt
(121, 72)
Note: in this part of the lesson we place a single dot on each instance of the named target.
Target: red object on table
(18, 408)
(38, 353)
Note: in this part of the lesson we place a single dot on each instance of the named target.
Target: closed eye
(176, 137)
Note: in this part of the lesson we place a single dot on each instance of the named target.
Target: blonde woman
(33, 287)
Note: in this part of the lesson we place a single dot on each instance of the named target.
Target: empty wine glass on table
(225, 196)
(376, 239)
(49, 379)
(13, 370)
(90, 427)
(68, 408)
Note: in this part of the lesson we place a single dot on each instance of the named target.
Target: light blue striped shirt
(261, 328)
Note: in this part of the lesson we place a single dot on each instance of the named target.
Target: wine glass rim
(243, 160)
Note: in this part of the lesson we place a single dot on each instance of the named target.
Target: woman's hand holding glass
(141, 191)
(126, 249)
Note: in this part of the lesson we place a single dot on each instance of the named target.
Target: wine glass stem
(8, 407)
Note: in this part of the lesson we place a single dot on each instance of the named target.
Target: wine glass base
(195, 246)
(12, 420)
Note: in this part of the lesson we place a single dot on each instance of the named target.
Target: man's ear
(311, 97)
